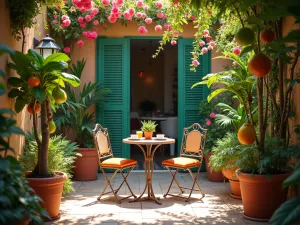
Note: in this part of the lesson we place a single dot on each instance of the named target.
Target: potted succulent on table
(18, 205)
(148, 128)
(75, 117)
(39, 84)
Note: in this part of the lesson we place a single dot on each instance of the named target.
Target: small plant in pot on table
(76, 117)
(50, 78)
(148, 128)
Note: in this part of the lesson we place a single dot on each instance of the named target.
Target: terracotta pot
(86, 166)
(212, 175)
(234, 182)
(50, 191)
(148, 134)
(261, 195)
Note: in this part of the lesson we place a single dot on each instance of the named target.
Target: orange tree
(38, 87)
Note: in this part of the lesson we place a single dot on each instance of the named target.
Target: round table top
(153, 141)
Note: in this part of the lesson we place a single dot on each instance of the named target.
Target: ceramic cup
(134, 136)
(160, 136)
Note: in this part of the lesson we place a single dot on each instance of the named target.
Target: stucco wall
(23, 119)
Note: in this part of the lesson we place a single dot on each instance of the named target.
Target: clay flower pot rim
(261, 177)
(58, 176)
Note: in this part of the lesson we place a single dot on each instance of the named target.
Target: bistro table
(146, 146)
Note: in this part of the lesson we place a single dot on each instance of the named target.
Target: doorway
(153, 93)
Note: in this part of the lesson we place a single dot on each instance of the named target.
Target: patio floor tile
(217, 207)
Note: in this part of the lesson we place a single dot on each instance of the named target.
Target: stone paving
(217, 207)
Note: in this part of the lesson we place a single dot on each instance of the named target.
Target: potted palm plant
(38, 87)
(148, 128)
(76, 120)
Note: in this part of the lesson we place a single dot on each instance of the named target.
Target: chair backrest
(170, 127)
(193, 141)
(102, 142)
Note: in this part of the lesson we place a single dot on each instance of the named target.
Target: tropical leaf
(39, 94)
(56, 57)
(294, 178)
(54, 66)
(38, 59)
(71, 79)
(15, 81)
(6, 49)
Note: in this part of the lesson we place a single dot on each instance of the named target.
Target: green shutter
(113, 73)
(189, 99)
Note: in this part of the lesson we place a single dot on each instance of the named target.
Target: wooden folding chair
(108, 161)
(191, 156)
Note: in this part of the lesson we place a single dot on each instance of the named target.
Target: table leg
(149, 168)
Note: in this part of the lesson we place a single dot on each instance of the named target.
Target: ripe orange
(267, 36)
(37, 108)
(246, 134)
(52, 127)
(59, 95)
(33, 81)
(259, 65)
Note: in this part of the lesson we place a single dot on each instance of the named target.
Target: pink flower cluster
(90, 35)
(115, 12)
(158, 5)
(83, 5)
(236, 51)
(143, 30)
(65, 21)
(209, 121)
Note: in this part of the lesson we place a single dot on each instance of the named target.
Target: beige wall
(23, 119)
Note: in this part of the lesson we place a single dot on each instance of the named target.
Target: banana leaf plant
(76, 116)
(39, 86)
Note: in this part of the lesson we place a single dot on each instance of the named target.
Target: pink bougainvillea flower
(173, 42)
(205, 32)
(139, 15)
(96, 22)
(118, 15)
(75, 2)
(64, 17)
(139, 4)
(143, 30)
(84, 33)
(235, 64)
(210, 47)
(105, 2)
(88, 18)
(166, 26)
(55, 16)
(82, 9)
(80, 43)
(58, 7)
(118, 3)
(193, 18)
(201, 43)
(148, 20)
(112, 19)
(170, 28)
(236, 51)
(213, 44)
(158, 5)
(208, 122)
(208, 38)
(212, 115)
(204, 50)
(66, 23)
(143, 15)
(158, 28)
(127, 15)
(67, 49)
(165, 16)
(195, 63)
(115, 10)
(146, 8)
(55, 22)
(83, 25)
(160, 15)
(131, 11)
(80, 19)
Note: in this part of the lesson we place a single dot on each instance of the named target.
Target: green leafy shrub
(61, 157)
(149, 126)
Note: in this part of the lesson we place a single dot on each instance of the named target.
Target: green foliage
(61, 156)
(148, 126)
(215, 131)
(289, 211)
(226, 150)
(17, 202)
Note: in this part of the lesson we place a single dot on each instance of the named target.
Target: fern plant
(76, 115)
(61, 157)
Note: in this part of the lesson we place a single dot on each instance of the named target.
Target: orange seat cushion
(118, 163)
(181, 162)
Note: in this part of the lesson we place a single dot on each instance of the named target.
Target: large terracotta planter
(148, 134)
(234, 182)
(86, 166)
(212, 175)
(50, 191)
(261, 195)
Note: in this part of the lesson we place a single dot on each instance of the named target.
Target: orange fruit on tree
(59, 95)
(246, 134)
(259, 65)
(33, 81)
(37, 108)
(245, 36)
(267, 36)
(52, 126)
